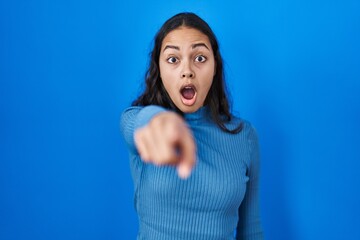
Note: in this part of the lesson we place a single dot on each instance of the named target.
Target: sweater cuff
(146, 114)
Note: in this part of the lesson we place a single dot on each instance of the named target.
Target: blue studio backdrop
(68, 69)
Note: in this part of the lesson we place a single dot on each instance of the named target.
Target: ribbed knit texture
(219, 197)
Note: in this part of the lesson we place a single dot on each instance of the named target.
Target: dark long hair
(155, 92)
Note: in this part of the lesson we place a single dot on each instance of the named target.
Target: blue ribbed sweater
(220, 196)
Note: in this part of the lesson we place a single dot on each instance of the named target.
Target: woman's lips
(188, 95)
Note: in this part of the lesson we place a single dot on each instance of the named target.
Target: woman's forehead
(185, 37)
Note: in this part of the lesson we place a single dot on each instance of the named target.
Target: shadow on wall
(275, 155)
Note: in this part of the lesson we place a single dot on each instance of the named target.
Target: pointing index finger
(187, 156)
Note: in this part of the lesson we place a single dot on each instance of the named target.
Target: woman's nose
(187, 75)
(187, 71)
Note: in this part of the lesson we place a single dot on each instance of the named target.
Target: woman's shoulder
(134, 110)
(247, 127)
(138, 116)
(248, 133)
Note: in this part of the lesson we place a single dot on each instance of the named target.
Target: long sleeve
(135, 117)
(249, 224)
(131, 119)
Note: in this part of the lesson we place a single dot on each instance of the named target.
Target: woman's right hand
(167, 140)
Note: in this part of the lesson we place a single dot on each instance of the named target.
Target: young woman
(195, 166)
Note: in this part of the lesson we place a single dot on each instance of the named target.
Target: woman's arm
(249, 224)
(133, 118)
(160, 137)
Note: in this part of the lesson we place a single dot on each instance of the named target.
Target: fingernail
(183, 171)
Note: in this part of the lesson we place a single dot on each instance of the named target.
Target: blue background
(68, 69)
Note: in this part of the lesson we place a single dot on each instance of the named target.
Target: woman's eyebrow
(192, 46)
(199, 45)
(171, 46)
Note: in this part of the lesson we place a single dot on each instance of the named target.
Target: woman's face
(187, 67)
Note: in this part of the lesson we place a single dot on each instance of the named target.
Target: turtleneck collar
(201, 113)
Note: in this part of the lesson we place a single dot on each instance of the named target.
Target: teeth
(188, 87)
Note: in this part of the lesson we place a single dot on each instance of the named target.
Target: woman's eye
(200, 58)
(172, 60)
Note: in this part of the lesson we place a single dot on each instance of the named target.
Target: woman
(195, 166)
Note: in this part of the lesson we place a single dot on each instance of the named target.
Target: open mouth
(188, 94)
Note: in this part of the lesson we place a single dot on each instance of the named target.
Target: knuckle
(138, 134)
(156, 162)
